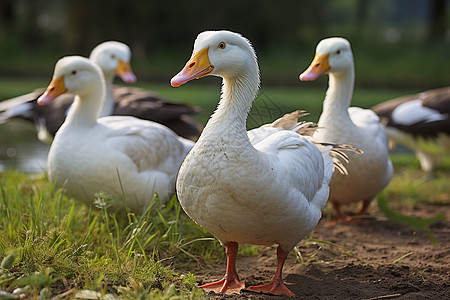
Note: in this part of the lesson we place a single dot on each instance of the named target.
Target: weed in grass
(411, 186)
(313, 241)
(422, 224)
(299, 255)
(9, 259)
(37, 280)
(402, 257)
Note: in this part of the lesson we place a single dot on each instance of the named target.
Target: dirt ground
(376, 259)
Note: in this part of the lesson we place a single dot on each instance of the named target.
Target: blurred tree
(27, 24)
(6, 13)
(438, 20)
(160, 31)
(361, 16)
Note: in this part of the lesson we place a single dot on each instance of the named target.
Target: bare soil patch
(375, 259)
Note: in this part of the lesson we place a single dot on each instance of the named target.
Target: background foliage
(399, 43)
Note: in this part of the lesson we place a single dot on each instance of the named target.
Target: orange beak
(198, 66)
(125, 73)
(54, 89)
(318, 67)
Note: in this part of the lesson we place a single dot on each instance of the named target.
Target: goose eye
(338, 52)
(74, 72)
(113, 56)
(222, 45)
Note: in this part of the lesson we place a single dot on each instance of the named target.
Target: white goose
(264, 191)
(123, 156)
(371, 171)
(420, 122)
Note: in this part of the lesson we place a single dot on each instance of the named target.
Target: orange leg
(337, 212)
(364, 208)
(362, 212)
(230, 283)
(276, 286)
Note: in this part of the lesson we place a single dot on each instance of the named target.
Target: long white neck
(86, 106)
(338, 98)
(108, 103)
(236, 100)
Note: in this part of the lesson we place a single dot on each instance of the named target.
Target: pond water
(20, 149)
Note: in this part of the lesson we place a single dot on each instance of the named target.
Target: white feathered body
(261, 194)
(369, 172)
(122, 156)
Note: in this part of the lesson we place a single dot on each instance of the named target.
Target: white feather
(413, 112)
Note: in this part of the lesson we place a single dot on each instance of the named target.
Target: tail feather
(339, 156)
(306, 128)
(290, 122)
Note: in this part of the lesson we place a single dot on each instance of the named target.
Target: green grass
(13, 87)
(50, 241)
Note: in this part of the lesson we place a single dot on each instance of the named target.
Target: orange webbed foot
(224, 286)
(355, 219)
(230, 283)
(275, 287)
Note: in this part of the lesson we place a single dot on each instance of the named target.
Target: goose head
(114, 59)
(333, 55)
(73, 74)
(219, 53)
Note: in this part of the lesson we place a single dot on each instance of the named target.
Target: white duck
(371, 171)
(265, 191)
(420, 122)
(122, 156)
(113, 58)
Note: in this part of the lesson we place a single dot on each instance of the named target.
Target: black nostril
(52, 89)
(317, 65)
(191, 65)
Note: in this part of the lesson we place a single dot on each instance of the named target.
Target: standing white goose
(122, 156)
(420, 122)
(264, 192)
(371, 171)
